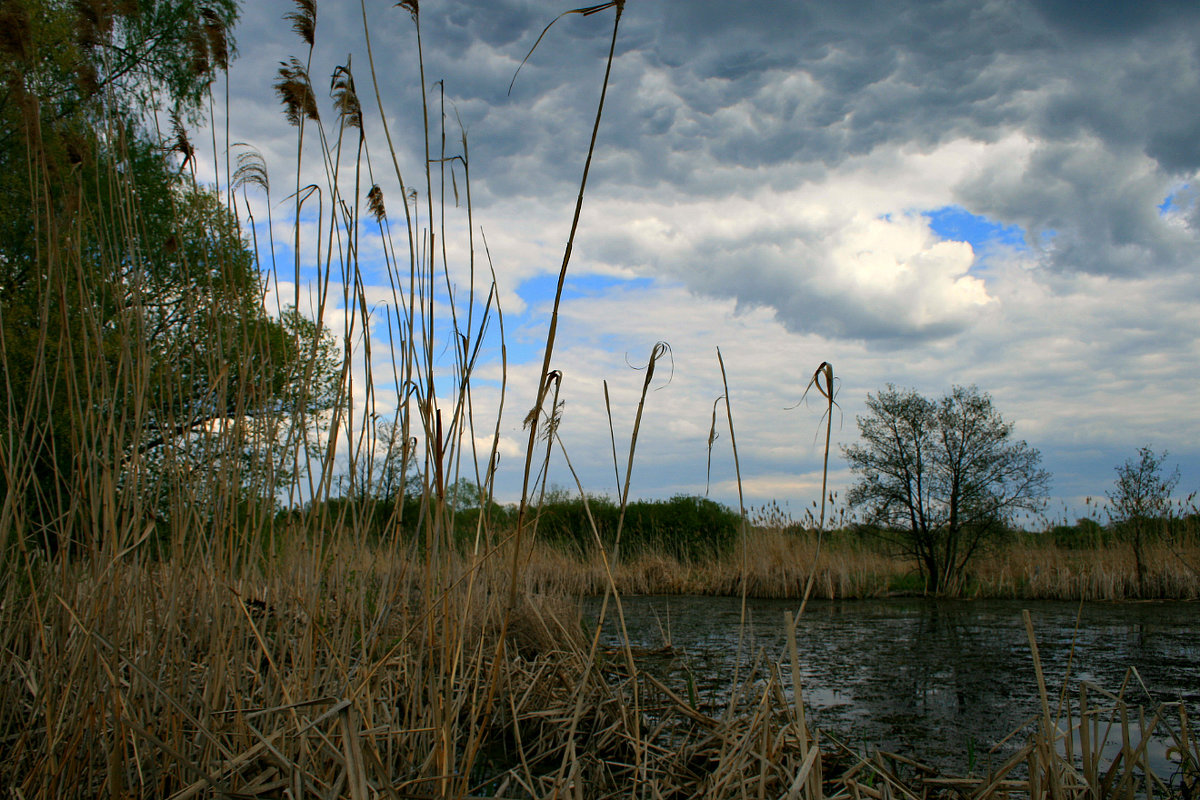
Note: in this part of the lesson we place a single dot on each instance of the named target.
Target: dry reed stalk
(610, 587)
(741, 504)
(1107, 572)
(537, 410)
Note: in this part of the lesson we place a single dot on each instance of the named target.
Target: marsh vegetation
(777, 558)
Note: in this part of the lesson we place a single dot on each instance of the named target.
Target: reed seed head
(304, 20)
(345, 98)
(95, 20)
(295, 91)
(180, 143)
(14, 31)
(375, 203)
(215, 37)
(251, 169)
(410, 6)
(197, 44)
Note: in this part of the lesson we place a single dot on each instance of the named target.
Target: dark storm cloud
(927, 71)
(1098, 91)
(877, 72)
(715, 99)
(1113, 19)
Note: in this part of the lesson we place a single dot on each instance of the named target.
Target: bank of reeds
(1108, 572)
(327, 675)
(777, 563)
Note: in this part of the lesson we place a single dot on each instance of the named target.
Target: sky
(927, 194)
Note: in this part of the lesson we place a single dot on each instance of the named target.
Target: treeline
(1084, 534)
(688, 528)
(1088, 534)
(685, 527)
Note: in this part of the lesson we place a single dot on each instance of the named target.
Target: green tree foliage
(941, 477)
(394, 475)
(138, 359)
(685, 527)
(1085, 534)
(1140, 503)
(77, 58)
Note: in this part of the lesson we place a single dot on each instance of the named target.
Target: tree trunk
(1139, 560)
(932, 572)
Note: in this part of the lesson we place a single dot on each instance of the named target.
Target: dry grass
(327, 676)
(773, 564)
(1103, 573)
(322, 673)
(777, 564)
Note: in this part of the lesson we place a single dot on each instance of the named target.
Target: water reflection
(933, 679)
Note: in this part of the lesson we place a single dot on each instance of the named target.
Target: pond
(933, 680)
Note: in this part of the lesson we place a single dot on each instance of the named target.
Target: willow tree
(133, 334)
(941, 477)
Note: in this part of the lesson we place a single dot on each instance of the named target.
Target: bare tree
(941, 477)
(1141, 503)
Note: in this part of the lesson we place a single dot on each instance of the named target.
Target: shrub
(685, 527)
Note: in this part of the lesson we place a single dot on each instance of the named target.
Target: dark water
(935, 680)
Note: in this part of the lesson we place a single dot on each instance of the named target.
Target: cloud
(848, 256)
(764, 181)
(792, 94)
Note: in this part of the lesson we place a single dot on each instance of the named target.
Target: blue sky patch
(1180, 199)
(528, 331)
(541, 287)
(957, 224)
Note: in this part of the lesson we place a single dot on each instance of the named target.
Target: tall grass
(168, 631)
(780, 562)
